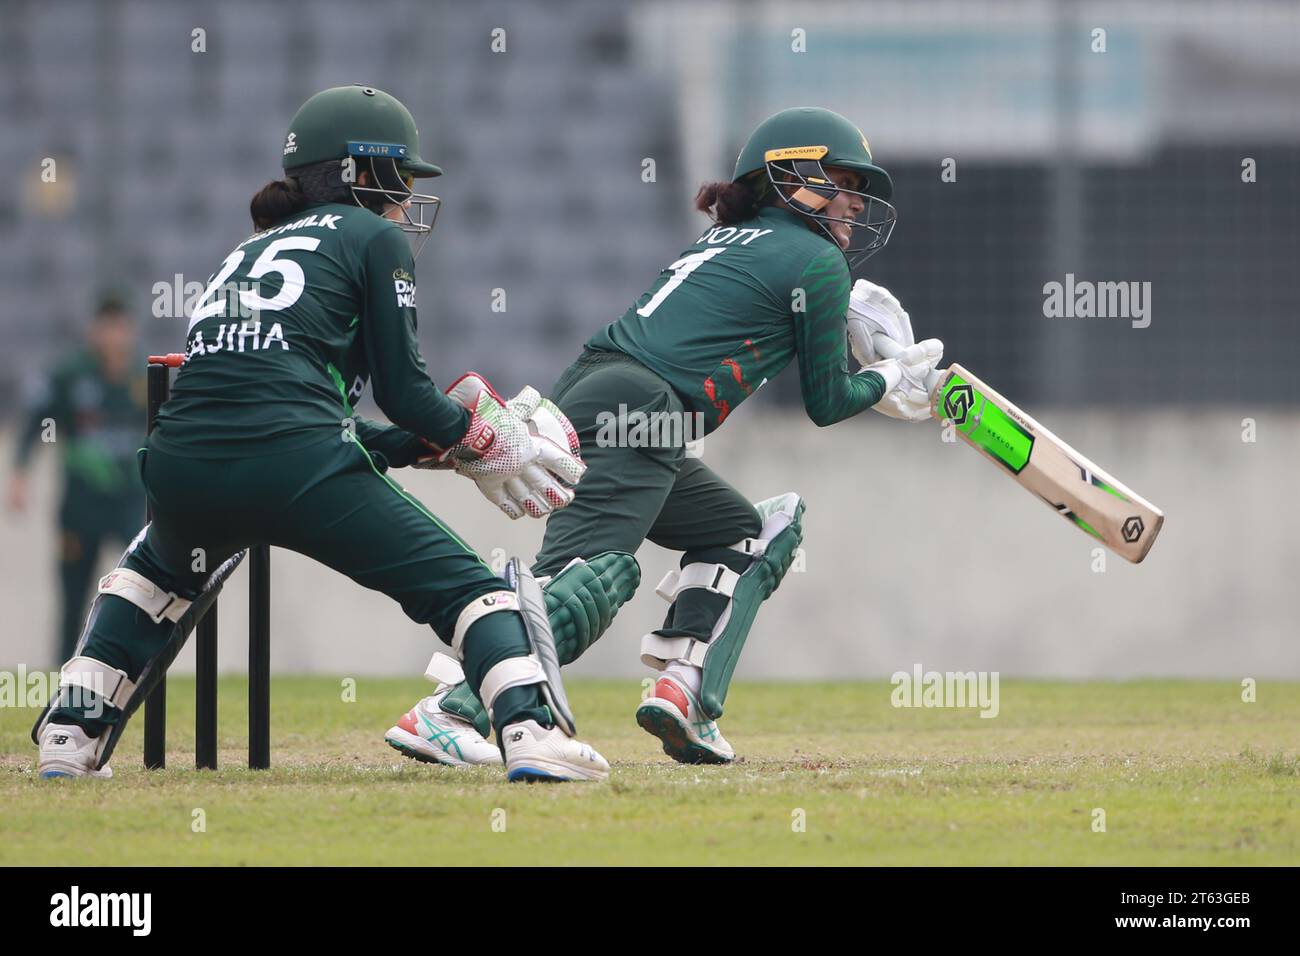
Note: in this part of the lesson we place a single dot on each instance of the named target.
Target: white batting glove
(908, 398)
(874, 309)
(918, 361)
(904, 407)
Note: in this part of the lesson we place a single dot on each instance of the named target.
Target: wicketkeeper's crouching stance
(766, 286)
(259, 444)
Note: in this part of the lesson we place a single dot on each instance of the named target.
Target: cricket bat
(1073, 486)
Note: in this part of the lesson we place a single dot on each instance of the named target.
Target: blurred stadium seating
(1119, 169)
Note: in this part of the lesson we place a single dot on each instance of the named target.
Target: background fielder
(94, 400)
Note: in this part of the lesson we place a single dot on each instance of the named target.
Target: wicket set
(205, 638)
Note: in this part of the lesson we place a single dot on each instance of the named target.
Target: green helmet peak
(794, 146)
(810, 132)
(366, 131)
(358, 121)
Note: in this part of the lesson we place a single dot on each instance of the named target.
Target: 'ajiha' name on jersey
(243, 336)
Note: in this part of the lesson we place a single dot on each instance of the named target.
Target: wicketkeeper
(259, 444)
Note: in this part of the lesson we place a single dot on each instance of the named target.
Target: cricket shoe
(68, 751)
(431, 735)
(672, 713)
(537, 753)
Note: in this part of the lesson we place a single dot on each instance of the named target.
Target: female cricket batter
(766, 286)
(259, 444)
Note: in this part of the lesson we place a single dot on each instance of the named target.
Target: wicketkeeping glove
(523, 454)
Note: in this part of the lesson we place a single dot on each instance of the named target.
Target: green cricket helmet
(365, 129)
(794, 146)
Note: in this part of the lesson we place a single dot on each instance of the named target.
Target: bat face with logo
(1072, 485)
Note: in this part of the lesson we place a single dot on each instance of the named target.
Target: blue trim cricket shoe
(68, 751)
(429, 734)
(545, 754)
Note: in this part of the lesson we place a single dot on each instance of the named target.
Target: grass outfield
(1185, 771)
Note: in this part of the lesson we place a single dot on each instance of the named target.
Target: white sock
(688, 675)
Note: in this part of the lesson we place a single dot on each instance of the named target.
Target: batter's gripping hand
(909, 400)
(523, 454)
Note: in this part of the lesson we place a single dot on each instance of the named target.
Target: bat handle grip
(888, 348)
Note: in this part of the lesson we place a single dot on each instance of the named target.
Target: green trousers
(635, 491)
(330, 503)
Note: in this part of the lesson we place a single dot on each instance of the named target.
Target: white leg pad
(444, 669)
(658, 651)
(511, 672)
(715, 578)
(754, 547)
(97, 677)
(481, 607)
(132, 586)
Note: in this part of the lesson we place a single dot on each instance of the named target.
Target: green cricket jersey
(291, 328)
(97, 425)
(737, 308)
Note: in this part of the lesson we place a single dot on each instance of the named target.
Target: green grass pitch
(1186, 773)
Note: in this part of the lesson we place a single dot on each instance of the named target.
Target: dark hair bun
(727, 203)
(278, 199)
